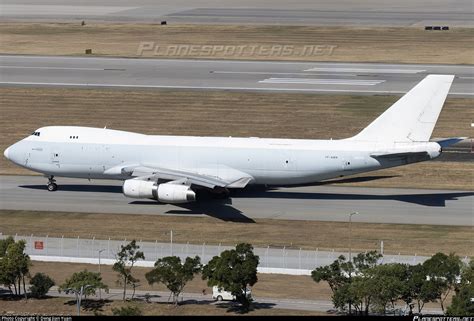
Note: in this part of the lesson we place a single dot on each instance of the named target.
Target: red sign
(38, 245)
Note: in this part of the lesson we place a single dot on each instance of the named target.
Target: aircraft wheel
(52, 187)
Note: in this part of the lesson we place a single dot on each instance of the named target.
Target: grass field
(401, 45)
(221, 113)
(398, 238)
(268, 285)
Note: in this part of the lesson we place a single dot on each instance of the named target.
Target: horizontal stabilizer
(450, 141)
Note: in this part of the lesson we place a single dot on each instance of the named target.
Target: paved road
(199, 298)
(259, 302)
(336, 78)
(302, 12)
(325, 203)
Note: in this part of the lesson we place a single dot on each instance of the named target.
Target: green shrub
(129, 310)
(40, 285)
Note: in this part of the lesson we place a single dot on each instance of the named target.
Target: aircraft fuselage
(93, 153)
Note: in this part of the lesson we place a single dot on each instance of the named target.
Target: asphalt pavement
(319, 203)
(298, 12)
(310, 77)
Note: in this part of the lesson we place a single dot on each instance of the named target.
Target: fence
(273, 258)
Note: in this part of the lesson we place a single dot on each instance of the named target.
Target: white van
(220, 294)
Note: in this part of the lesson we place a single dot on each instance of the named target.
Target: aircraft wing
(205, 177)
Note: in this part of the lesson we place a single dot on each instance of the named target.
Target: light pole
(350, 235)
(100, 290)
(171, 242)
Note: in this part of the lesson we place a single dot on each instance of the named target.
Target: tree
(443, 272)
(126, 259)
(40, 285)
(173, 274)
(461, 303)
(127, 311)
(14, 265)
(340, 275)
(365, 261)
(83, 278)
(417, 287)
(407, 293)
(4, 245)
(361, 292)
(467, 273)
(335, 274)
(344, 294)
(388, 283)
(6, 274)
(234, 271)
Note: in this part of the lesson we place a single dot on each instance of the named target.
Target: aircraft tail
(413, 117)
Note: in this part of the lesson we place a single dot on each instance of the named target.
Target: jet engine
(165, 193)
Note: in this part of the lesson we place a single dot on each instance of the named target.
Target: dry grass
(268, 285)
(67, 306)
(220, 113)
(427, 175)
(398, 238)
(402, 45)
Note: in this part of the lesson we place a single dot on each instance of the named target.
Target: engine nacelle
(174, 193)
(166, 193)
(135, 188)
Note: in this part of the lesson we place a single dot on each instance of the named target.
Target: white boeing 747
(170, 169)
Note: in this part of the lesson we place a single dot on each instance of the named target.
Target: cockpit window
(35, 133)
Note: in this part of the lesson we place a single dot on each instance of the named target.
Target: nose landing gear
(52, 186)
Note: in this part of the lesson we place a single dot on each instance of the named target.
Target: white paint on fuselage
(92, 151)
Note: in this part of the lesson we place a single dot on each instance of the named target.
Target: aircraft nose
(5, 153)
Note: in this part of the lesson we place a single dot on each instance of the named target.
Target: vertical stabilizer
(413, 117)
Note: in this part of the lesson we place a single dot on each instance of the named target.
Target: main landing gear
(52, 186)
(221, 193)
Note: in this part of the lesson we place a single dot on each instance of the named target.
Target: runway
(310, 77)
(299, 12)
(323, 203)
